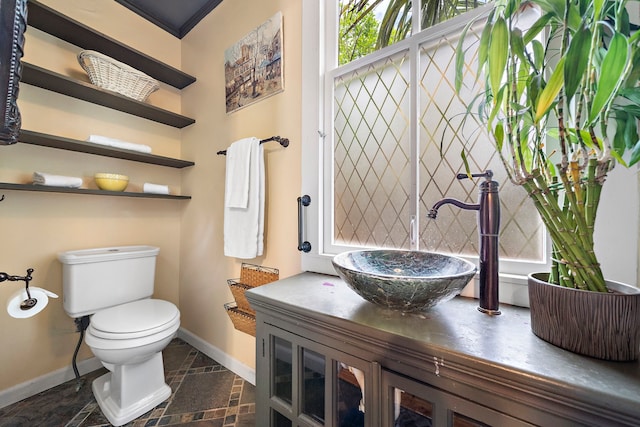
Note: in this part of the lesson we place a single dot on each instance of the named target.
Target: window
(382, 136)
(392, 129)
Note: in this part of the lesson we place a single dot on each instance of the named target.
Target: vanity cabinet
(450, 366)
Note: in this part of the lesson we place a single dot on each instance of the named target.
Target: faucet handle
(486, 174)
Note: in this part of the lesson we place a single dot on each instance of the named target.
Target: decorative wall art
(253, 66)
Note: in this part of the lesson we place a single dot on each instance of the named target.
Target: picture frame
(253, 66)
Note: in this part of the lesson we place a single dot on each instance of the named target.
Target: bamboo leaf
(483, 48)
(538, 54)
(631, 133)
(635, 155)
(497, 55)
(577, 54)
(498, 135)
(612, 68)
(537, 26)
(597, 8)
(460, 54)
(551, 91)
(466, 163)
(619, 143)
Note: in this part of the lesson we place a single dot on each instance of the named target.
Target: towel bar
(282, 141)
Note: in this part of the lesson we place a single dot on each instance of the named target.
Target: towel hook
(2, 198)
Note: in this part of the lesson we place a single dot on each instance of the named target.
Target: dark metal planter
(601, 325)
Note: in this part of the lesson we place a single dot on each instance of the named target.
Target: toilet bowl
(128, 340)
(127, 330)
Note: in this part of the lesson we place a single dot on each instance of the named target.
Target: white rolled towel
(116, 143)
(41, 178)
(155, 188)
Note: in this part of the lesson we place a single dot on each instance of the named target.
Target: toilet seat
(136, 319)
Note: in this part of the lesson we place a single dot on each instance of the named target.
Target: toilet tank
(93, 279)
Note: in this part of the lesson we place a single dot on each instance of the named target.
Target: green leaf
(484, 46)
(460, 54)
(537, 26)
(517, 45)
(635, 155)
(612, 69)
(551, 91)
(577, 54)
(498, 52)
(538, 54)
(631, 133)
(597, 8)
(465, 162)
(619, 143)
(498, 135)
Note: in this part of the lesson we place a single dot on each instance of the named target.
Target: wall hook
(2, 198)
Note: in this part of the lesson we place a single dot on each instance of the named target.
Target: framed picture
(253, 66)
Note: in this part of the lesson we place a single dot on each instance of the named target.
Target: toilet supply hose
(82, 323)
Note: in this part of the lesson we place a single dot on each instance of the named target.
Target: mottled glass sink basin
(404, 280)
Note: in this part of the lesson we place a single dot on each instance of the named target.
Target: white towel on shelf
(244, 226)
(41, 178)
(148, 187)
(116, 143)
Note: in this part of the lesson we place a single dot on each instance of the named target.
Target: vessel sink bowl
(404, 280)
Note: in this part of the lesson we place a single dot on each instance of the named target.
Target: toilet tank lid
(107, 254)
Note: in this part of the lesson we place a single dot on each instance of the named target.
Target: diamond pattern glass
(372, 176)
(445, 131)
(372, 159)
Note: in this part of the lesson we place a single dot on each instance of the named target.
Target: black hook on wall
(2, 198)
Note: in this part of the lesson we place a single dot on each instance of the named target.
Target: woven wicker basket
(242, 321)
(107, 73)
(240, 311)
(251, 276)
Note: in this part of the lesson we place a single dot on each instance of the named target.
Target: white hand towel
(148, 187)
(238, 167)
(116, 143)
(56, 180)
(244, 227)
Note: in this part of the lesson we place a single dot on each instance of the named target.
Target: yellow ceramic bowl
(111, 181)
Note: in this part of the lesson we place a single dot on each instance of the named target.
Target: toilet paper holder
(30, 302)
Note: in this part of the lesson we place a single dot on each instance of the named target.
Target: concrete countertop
(457, 333)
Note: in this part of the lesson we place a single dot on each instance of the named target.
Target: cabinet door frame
(267, 402)
(445, 405)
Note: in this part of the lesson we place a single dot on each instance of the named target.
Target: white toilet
(128, 330)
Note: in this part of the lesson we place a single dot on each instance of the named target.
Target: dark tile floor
(205, 394)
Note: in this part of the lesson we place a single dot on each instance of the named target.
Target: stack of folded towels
(116, 143)
(41, 178)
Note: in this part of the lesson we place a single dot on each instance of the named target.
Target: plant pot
(597, 324)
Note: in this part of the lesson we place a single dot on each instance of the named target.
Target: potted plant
(561, 104)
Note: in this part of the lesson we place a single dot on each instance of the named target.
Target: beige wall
(34, 227)
(192, 269)
(203, 267)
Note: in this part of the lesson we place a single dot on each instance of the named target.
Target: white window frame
(315, 41)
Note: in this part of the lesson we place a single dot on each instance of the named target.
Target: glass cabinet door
(410, 403)
(313, 385)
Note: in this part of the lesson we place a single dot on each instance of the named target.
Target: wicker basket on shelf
(242, 321)
(107, 73)
(251, 276)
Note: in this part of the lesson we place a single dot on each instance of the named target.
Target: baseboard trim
(32, 387)
(232, 364)
(45, 382)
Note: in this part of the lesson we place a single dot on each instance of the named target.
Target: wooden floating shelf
(51, 189)
(52, 141)
(41, 77)
(50, 21)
